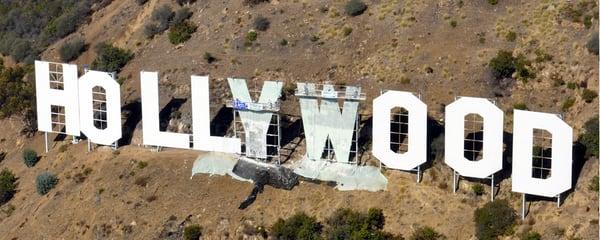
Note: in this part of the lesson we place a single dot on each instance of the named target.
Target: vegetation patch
(45, 182)
(426, 233)
(30, 157)
(70, 50)
(261, 23)
(192, 232)
(588, 95)
(181, 32)
(355, 7)
(298, 226)
(494, 219)
(111, 58)
(8, 186)
(589, 138)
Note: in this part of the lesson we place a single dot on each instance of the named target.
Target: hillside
(439, 49)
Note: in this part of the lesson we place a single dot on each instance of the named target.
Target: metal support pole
(419, 174)
(492, 185)
(115, 145)
(558, 201)
(356, 138)
(89, 145)
(46, 141)
(523, 201)
(454, 183)
(278, 140)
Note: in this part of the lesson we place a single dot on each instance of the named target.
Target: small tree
(494, 219)
(502, 65)
(192, 232)
(261, 23)
(8, 186)
(426, 233)
(181, 32)
(45, 182)
(478, 189)
(30, 157)
(592, 44)
(71, 50)
(589, 138)
(355, 7)
(588, 95)
(111, 58)
(298, 226)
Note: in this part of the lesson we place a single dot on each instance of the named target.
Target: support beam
(523, 202)
(46, 141)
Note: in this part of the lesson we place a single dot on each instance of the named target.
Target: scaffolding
(399, 139)
(273, 135)
(340, 93)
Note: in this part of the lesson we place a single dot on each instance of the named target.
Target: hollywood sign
(322, 120)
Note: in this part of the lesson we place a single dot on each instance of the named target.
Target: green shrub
(493, 2)
(152, 29)
(298, 226)
(511, 36)
(209, 58)
(261, 23)
(251, 36)
(594, 184)
(345, 223)
(502, 65)
(192, 232)
(16, 92)
(283, 42)
(30, 157)
(592, 44)
(567, 104)
(453, 23)
(520, 106)
(346, 31)
(45, 182)
(426, 233)
(571, 85)
(162, 15)
(111, 58)
(71, 50)
(355, 7)
(478, 189)
(181, 32)
(531, 235)
(494, 219)
(589, 137)
(8, 186)
(588, 95)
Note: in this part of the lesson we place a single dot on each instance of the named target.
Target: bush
(111, 58)
(493, 2)
(162, 15)
(8, 186)
(478, 189)
(45, 182)
(592, 44)
(141, 2)
(261, 23)
(531, 235)
(30, 157)
(181, 15)
(520, 106)
(209, 57)
(251, 36)
(71, 50)
(152, 29)
(184, 2)
(588, 95)
(567, 104)
(192, 232)
(181, 32)
(502, 65)
(298, 226)
(347, 224)
(594, 184)
(589, 137)
(355, 7)
(16, 92)
(494, 219)
(511, 36)
(426, 233)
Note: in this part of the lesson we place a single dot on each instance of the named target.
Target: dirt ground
(405, 45)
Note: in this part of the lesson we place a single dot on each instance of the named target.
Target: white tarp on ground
(347, 176)
(217, 164)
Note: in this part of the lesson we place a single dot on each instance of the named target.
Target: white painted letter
(561, 158)
(417, 130)
(112, 132)
(47, 96)
(201, 121)
(150, 114)
(492, 137)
